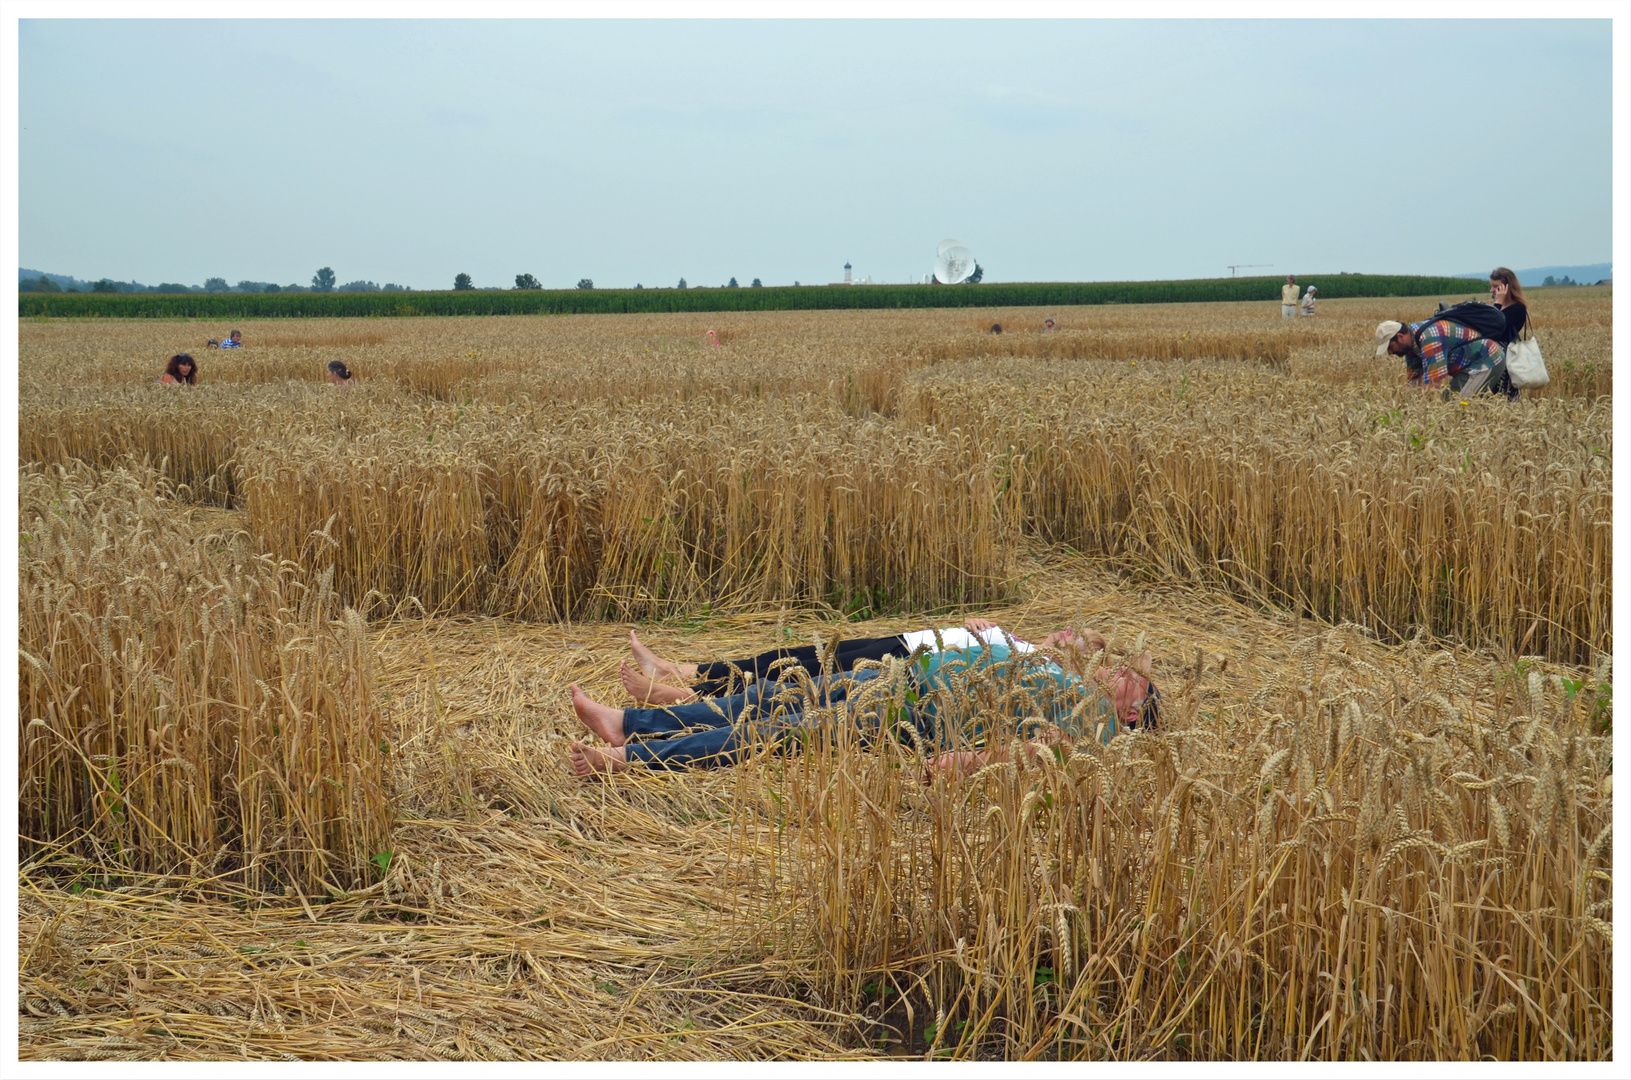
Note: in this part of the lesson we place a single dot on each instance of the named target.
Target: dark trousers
(714, 678)
(711, 734)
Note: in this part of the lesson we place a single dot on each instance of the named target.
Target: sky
(646, 151)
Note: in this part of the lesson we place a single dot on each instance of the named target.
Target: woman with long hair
(180, 369)
(1507, 295)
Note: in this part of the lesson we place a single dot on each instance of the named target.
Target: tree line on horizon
(323, 281)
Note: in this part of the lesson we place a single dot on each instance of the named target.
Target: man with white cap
(1444, 353)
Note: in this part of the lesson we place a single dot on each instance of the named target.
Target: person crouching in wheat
(960, 705)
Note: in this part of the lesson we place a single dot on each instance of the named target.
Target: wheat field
(293, 720)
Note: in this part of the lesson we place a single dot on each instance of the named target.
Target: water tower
(847, 280)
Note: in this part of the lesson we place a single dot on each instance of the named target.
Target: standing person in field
(654, 680)
(1507, 294)
(1441, 353)
(181, 370)
(338, 373)
(1288, 298)
(945, 700)
(1308, 302)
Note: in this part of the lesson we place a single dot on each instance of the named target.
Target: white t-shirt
(956, 637)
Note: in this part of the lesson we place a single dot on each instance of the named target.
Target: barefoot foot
(648, 691)
(603, 720)
(592, 760)
(644, 657)
(658, 669)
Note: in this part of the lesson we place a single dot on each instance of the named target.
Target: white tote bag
(1524, 365)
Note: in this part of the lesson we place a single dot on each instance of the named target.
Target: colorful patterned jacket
(1445, 348)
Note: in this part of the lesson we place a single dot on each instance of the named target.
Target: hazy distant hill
(68, 281)
(1589, 274)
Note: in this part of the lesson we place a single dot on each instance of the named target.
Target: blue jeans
(712, 734)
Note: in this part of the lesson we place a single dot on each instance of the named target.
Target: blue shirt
(963, 690)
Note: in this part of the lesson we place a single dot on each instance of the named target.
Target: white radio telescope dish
(953, 264)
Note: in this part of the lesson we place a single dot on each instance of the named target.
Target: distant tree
(586, 283)
(295, 288)
(463, 283)
(795, 283)
(974, 278)
(272, 288)
(757, 284)
(216, 284)
(71, 288)
(170, 287)
(733, 284)
(323, 280)
(681, 284)
(1550, 280)
(249, 286)
(526, 281)
(391, 286)
(359, 286)
(637, 285)
(45, 284)
(105, 285)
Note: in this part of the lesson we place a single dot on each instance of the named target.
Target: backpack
(1486, 320)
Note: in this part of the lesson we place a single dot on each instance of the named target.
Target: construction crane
(1245, 266)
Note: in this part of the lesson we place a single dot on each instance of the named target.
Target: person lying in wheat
(960, 706)
(652, 680)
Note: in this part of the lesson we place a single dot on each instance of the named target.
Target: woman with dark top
(181, 369)
(1507, 294)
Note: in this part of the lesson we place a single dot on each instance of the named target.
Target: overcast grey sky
(172, 150)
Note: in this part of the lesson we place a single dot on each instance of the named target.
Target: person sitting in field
(1308, 302)
(1442, 353)
(234, 340)
(996, 328)
(654, 680)
(1047, 325)
(181, 370)
(984, 693)
(338, 373)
